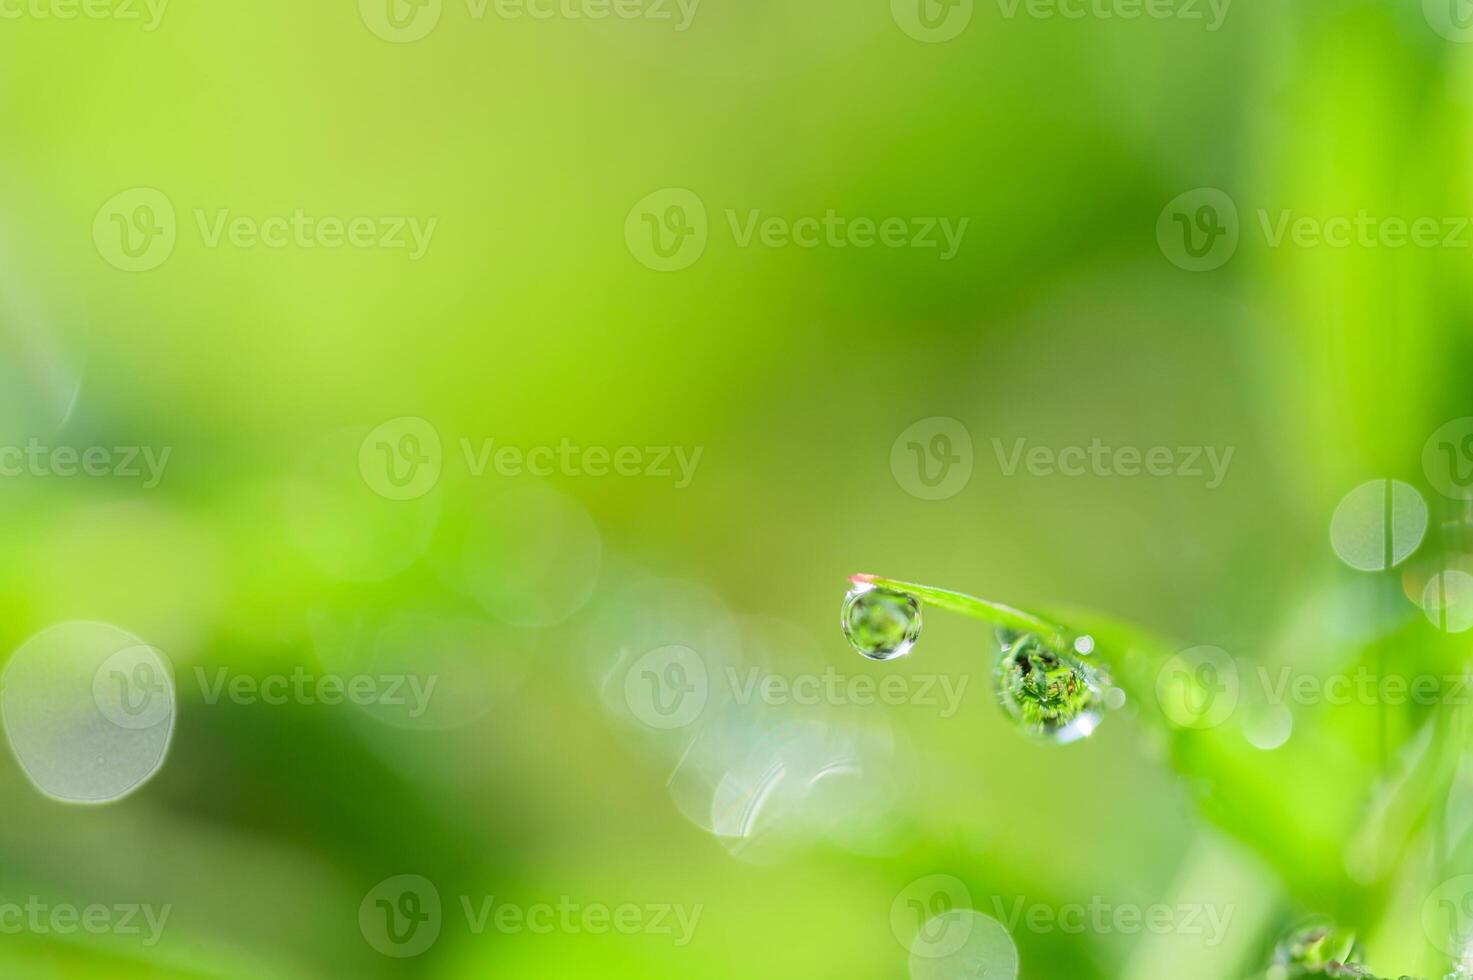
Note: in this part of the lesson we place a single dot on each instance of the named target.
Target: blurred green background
(536, 318)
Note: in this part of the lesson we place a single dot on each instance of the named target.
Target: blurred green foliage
(529, 321)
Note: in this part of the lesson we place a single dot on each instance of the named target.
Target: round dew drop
(879, 623)
(1050, 695)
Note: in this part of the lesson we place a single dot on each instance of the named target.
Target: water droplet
(879, 623)
(1051, 695)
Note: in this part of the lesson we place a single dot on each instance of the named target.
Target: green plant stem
(991, 612)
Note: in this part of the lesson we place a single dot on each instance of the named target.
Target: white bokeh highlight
(88, 710)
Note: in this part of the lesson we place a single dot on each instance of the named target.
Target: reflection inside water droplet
(1050, 695)
(879, 623)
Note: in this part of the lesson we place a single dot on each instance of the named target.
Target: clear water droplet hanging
(1045, 678)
